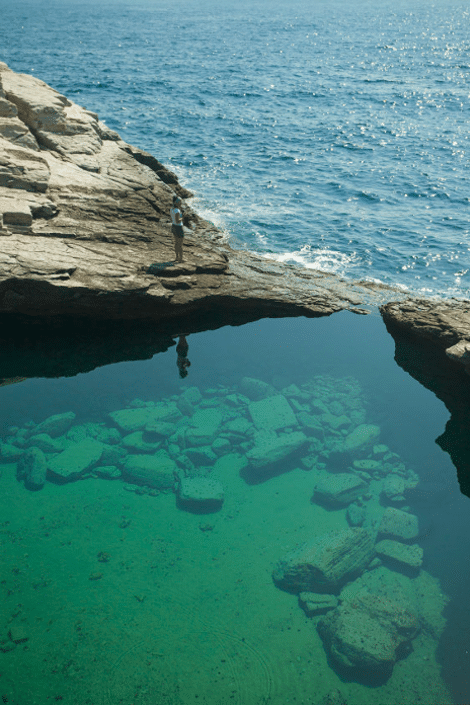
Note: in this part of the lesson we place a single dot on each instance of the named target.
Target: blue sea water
(330, 134)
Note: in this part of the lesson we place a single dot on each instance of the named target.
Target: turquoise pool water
(141, 572)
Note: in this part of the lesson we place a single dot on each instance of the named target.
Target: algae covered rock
(256, 389)
(339, 490)
(200, 494)
(32, 469)
(138, 419)
(399, 525)
(204, 426)
(314, 603)
(270, 447)
(272, 414)
(368, 633)
(400, 554)
(326, 562)
(76, 459)
(363, 436)
(56, 425)
(156, 470)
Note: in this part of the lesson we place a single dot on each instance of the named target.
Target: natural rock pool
(277, 525)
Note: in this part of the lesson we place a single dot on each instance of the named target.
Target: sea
(329, 135)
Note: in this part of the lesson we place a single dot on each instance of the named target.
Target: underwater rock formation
(368, 633)
(326, 562)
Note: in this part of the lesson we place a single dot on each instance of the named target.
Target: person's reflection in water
(182, 351)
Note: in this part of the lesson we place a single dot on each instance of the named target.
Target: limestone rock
(368, 633)
(339, 490)
(394, 488)
(118, 197)
(400, 554)
(200, 494)
(356, 515)
(232, 463)
(157, 470)
(130, 420)
(107, 472)
(56, 425)
(270, 447)
(363, 435)
(399, 525)
(314, 603)
(272, 414)
(324, 563)
(204, 425)
(136, 441)
(32, 468)
(256, 389)
(10, 453)
(162, 429)
(76, 459)
(221, 446)
(45, 443)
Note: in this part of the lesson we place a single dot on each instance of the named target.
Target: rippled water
(332, 134)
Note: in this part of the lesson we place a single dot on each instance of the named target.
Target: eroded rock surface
(85, 228)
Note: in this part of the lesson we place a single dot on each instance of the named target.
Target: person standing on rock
(177, 227)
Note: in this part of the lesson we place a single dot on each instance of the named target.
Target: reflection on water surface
(275, 526)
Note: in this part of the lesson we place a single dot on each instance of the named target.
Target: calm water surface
(125, 597)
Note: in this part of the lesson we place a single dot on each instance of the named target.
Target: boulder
(221, 446)
(136, 441)
(270, 447)
(326, 562)
(142, 418)
(399, 554)
(158, 470)
(10, 453)
(397, 524)
(76, 459)
(204, 427)
(56, 425)
(256, 389)
(200, 494)
(314, 603)
(363, 436)
(368, 633)
(272, 414)
(339, 490)
(45, 443)
(394, 488)
(107, 472)
(32, 469)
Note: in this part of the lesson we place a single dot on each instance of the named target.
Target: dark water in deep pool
(127, 598)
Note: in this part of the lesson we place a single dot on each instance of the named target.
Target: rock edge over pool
(85, 228)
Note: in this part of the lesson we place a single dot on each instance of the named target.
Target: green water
(117, 590)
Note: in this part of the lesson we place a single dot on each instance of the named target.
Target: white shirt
(174, 212)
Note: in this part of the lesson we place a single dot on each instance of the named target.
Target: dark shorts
(177, 230)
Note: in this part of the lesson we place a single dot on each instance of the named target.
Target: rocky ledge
(85, 228)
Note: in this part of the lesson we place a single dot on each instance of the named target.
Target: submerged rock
(76, 459)
(158, 470)
(32, 469)
(270, 447)
(397, 553)
(272, 414)
(326, 562)
(256, 389)
(56, 425)
(314, 603)
(368, 633)
(398, 524)
(339, 490)
(363, 436)
(200, 494)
